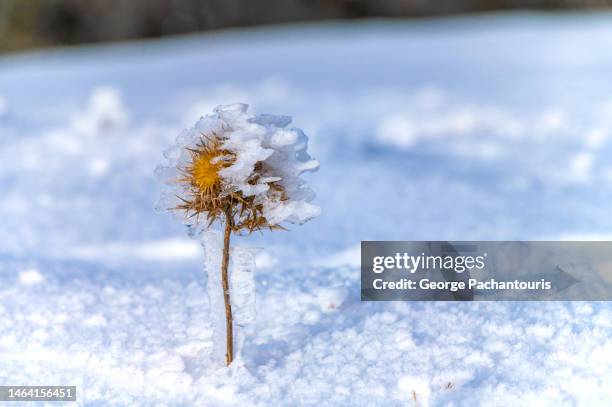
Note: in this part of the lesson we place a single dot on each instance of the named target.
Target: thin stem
(229, 355)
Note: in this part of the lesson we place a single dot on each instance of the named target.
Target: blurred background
(43, 23)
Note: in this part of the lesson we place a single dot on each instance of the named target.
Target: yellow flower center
(204, 173)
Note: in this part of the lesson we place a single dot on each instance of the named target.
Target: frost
(212, 241)
(242, 289)
(253, 139)
(242, 284)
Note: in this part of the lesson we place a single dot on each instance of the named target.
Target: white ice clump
(253, 139)
(242, 284)
(242, 289)
(105, 110)
(212, 241)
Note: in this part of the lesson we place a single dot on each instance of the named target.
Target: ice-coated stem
(229, 353)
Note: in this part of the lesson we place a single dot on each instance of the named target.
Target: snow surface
(493, 127)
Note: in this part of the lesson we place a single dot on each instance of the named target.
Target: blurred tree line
(35, 23)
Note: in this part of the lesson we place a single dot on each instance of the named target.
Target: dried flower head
(241, 168)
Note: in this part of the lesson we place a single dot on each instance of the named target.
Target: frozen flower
(242, 170)
(241, 167)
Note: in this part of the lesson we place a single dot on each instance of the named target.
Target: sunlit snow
(493, 127)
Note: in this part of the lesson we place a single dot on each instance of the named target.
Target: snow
(147, 251)
(507, 121)
(3, 106)
(30, 276)
(104, 111)
(415, 385)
